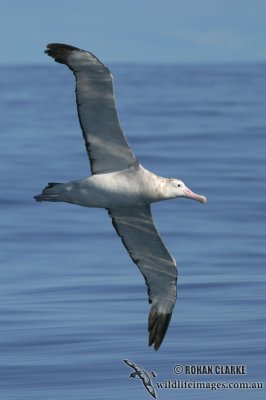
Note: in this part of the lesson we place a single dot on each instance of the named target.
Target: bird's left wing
(106, 145)
(144, 245)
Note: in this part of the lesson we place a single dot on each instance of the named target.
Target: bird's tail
(52, 192)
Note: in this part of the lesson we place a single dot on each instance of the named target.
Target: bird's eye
(179, 185)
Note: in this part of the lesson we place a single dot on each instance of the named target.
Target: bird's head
(177, 188)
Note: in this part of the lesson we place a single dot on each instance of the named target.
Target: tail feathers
(52, 184)
(41, 197)
(51, 192)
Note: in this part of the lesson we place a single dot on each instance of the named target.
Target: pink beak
(194, 196)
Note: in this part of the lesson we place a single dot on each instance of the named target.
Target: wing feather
(144, 245)
(106, 145)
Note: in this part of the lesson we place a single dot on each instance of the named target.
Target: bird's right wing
(144, 245)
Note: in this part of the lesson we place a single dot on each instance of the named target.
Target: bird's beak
(194, 196)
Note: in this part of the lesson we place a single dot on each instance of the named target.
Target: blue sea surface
(73, 304)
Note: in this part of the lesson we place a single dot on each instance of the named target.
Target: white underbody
(133, 186)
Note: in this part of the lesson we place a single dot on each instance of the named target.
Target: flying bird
(143, 375)
(120, 184)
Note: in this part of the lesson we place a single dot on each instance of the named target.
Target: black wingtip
(157, 325)
(60, 51)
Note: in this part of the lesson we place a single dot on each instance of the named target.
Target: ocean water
(73, 305)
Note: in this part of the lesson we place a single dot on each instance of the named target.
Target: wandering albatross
(120, 184)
